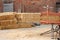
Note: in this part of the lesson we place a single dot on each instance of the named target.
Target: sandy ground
(26, 33)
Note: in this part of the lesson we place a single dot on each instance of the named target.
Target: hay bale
(7, 22)
(7, 16)
(25, 25)
(36, 18)
(28, 17)
(0, 28)
(13, 26)
(50, 19)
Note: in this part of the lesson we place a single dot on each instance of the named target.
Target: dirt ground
(26, 33)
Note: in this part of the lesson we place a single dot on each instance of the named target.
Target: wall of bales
(10, 20)
(28, 17)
